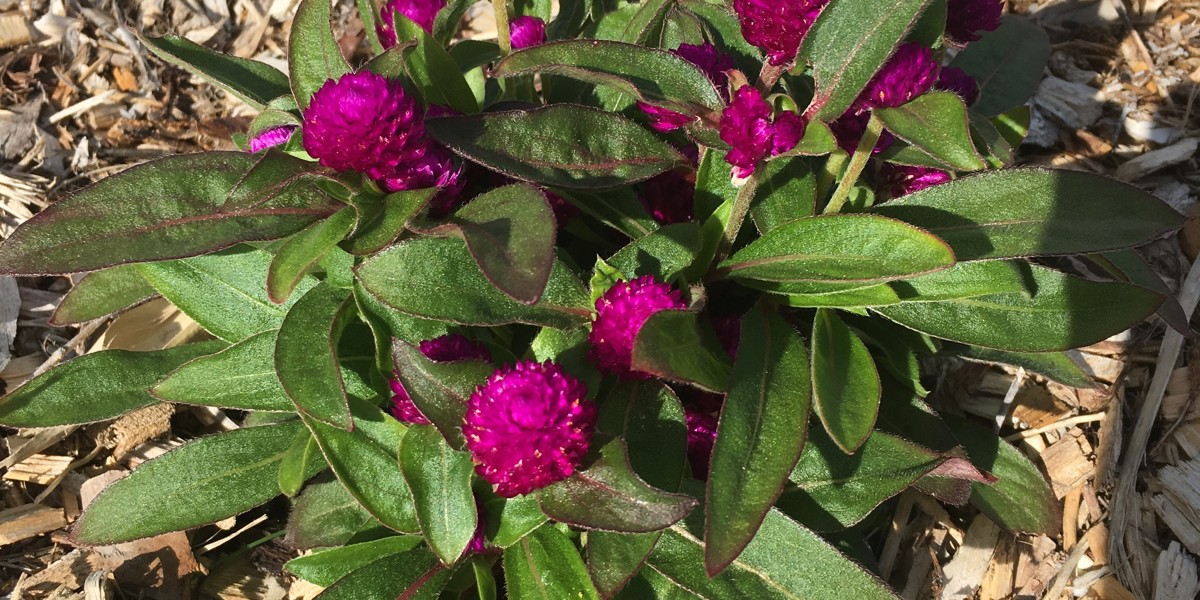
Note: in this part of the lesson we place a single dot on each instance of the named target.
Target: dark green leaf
(302, 457)
(1129, 266)
(786, 191)
(966, 280)
(241, 376)
(201, 482)
(436, 278)
(545, 565)
(990, 142)
(313, 54)
(439, 389)
(432, 69)
(412, 575)
(1007, 63)
(95, 387)
(305, 357)
(169, 208)
(326, 515)
(931, 27)
(253, 82)
(102, 293)
(664, 253)
(872, 295)
(618, 208)
(645, 28)
(1059, 366)
(846, 388)
(568, 348)
(300, 252)
(574, 146)
(382, 220)
(440, 480)
(671, 345)
(760, 434)
(936, 123)
(509, 520)
(325, 567)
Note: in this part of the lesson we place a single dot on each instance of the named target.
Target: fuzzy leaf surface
(306, 360)
(545, 565)
(102, 293)
(1007, 63)
(300, 252)
(253, 82)
(936, 123)
(846, 386)
(241, 376)
(313, 54)
(440, 479)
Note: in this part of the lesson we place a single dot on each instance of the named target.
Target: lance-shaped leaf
(1062, 367)
(381, 221)
(966, 280)
(508, 520)
(545, 565)
(1035, 212)
(300, 252)
(313, 54)
(879, 294)
(440, 479)
(510, 232)
(241, 376)
(324, 567)
(306, 358)
(609, 496)
(327, 515)
(436, 278)
(225, 292)
(253, 82)
(1064, 312)
(302, 457)
(201, 482)
(439, 389)
(786, 191)
(432, 69)
(672, 345)
(664, 253)
(102, 293)
(575, 146)
(1007, 63)
(848, 251)
(168, 208)
(759, 437)
(1130, 267)
(95, 387)
(935, 123)
(846, 387)
(849, 43)
(412, 575)
(647, 74)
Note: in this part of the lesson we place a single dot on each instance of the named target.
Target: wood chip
(39, 468)
(1109, 588)
(1157, 160)
(1067, 462)
(24, 522)
(998, 581)
(1179, 504)
(1073, 104)
(965, 571)
(136, 428)
(1037, 407)
(1175, 577)
(70, 571)
(10, 308)
(14, 30)
(1037, 566)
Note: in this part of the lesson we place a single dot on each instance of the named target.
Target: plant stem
(834, 165)
(502, 32)
(768, 76)
(857, 163)
(741, 207)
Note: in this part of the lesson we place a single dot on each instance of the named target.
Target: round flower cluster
(910, 72)
(526, 32)
(620, 313)
(421, 12)
(747, 127)
(777, 26)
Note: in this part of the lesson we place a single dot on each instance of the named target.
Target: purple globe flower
(528, 426)
(777, 26)
(713, 63)
(620, 313)
(910, 72)
(421, 12)
(903, 179)
(447, 348)
(966, 18)
(669, 197)
(702, 434)
(747, 127)
(275, 136)
(953, 79)
(525, 32)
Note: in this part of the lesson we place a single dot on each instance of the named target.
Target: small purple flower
(702, 435)
(903, 179)
(447, 348)
(910, 72)
(670, 197)
(746, 126)
(663, 119)
(421, 12)
(528, 426)
(620, 313)
(525, 32)
(275, 136)
(953, 79)
(713, 63)
(777, 26)
(966, 18)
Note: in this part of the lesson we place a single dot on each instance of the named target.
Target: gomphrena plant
(559, 308)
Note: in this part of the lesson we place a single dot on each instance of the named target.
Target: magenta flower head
(620, 313)
(966, 18)
(777, 26)
(528, 426)
(670, 197)
(526, 32)
(702, 434)
(953, 79)
(275, 136)
(421, 12)
(910, 72)
(902, 179)
(747, 127)
(713, 63)
(447, 348)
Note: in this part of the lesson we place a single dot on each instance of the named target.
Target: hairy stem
(741, 207)
(857, 163)
(502, 31)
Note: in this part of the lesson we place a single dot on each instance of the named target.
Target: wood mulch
(80, 100)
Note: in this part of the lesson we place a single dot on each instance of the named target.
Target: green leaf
(872, 295)
(935, 123)
(510, 519)
(224, 292)
(647, 74)
(1058, 366)
(545, 565)
(1065, 312)
(966, 280)
(787, 191)
(302, 457)
(432, 69)
(931, 27)
(760, 434)
(306, 361)
(664, 253)
(645, 28)
(607, 495)
(412, 575)
(241, 376)
(436, 278)
(671, 345)
(510, 232)
(1020, 500)
(575, 146)
(997, 151)
(850, 42)
(846, 388)
(1007, 63)
(1035, 212)
(618, 208)
(102, 293)
(313, 54)
(300, 252)
(382, 220)
(168, 208)
(848, 250)
(201, 482)
(325, 567)
(439, 389)
(326, 515)
(1130, 267)
(253, 82)
(440, 480)
(95, 387)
